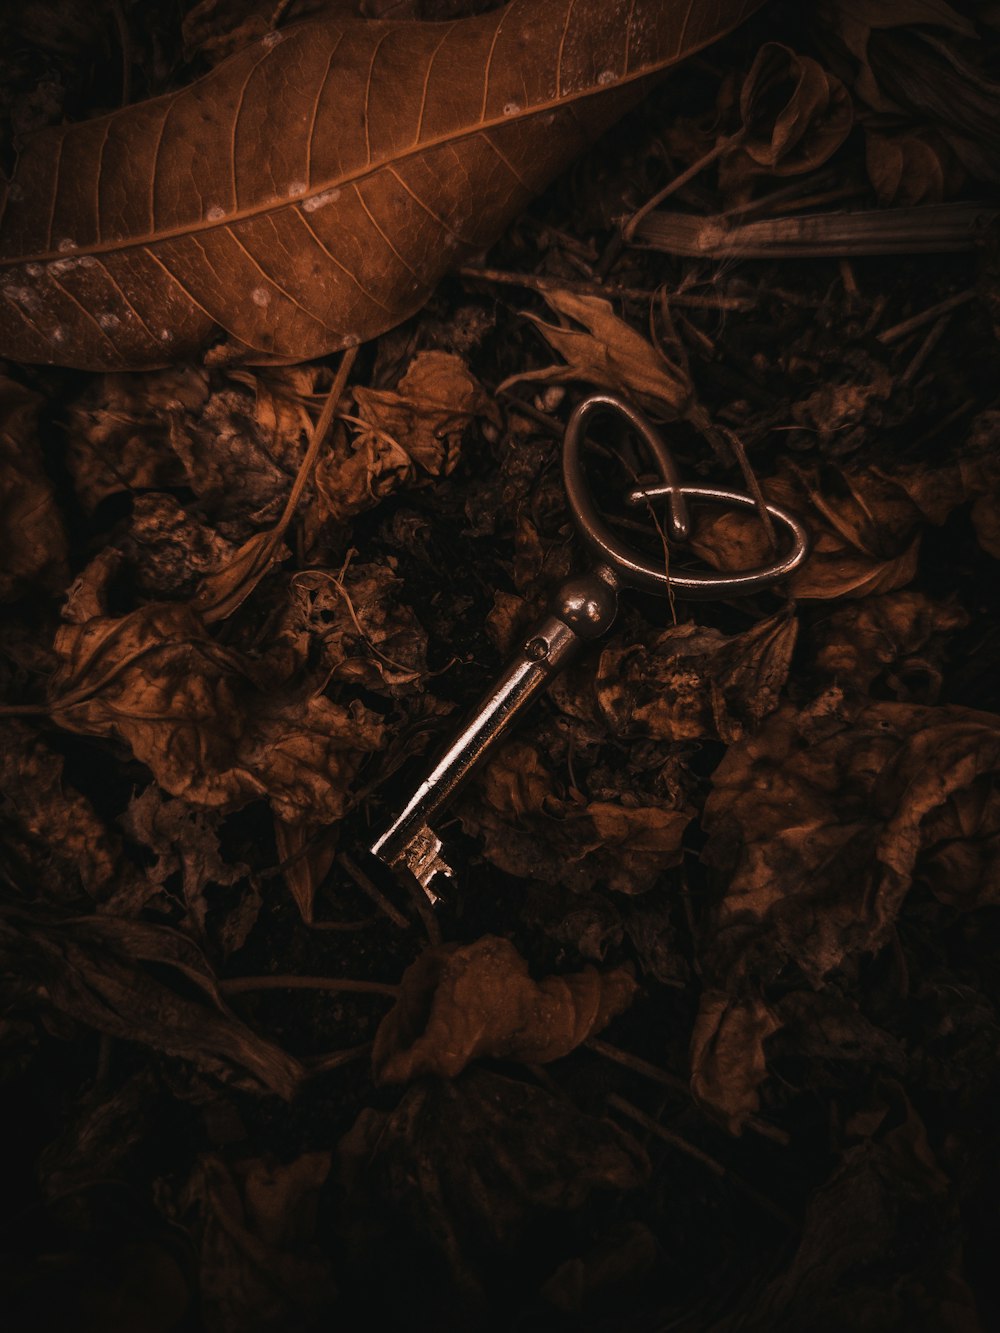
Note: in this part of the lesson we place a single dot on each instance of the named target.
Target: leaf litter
(706, 1038)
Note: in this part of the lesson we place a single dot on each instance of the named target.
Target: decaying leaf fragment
(530, 829)
(609, 353)
(256, 1221)
(309, 192)
(91, 969)
(818, 826)
(460, 1002)
(198, 716)
(476, 1172)
(405, 435)
(32, 540)
(692, 683)
(727, 1054)
(795, 113)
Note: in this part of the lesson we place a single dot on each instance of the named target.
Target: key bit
(421, 856)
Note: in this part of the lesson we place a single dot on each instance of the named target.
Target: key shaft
(582, 610)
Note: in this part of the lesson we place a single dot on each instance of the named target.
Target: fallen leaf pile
(296, 300)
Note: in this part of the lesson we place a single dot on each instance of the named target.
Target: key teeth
(421, 858)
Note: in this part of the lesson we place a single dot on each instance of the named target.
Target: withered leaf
(471, 1169)
(609, 354)
(256, 1222)
(915, 166)
(822, 821)
(530, 830)
(391, 149)
(54, 844)
(727, 1054)
(32, 540)
(692, 683)
(460, 1002)
(91, 969)
(866, 523)
(795, 113)
(195, 714)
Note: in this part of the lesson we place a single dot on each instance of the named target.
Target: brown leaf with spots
(309, 192)
(461, 1002)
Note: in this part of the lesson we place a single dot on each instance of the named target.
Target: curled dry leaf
(915, 166)
(32, 540)
(54, 844)
(460, 1002)
(727, 1055)
(91, 969)
(609, 353)
(529, 830)
(795, 113)
(195, 714)
(390, 151)
(256, 1225)
(694, 683)
(475, 1169)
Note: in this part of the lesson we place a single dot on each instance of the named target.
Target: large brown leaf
(310, 191)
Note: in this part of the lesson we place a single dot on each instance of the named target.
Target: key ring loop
(621, 563)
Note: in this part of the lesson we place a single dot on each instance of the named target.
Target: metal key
(582, 609)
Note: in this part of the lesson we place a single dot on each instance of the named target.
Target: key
(582, 610)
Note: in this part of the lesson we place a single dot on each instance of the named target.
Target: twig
(239, 985)
(714, 1165)
(667, 1135)
(368, 886)
(628, 230)
(933, 312)
(535, 283)
(322, 1064)
(934, 335)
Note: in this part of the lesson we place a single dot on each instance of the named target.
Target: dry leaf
(460, 1002)
(389, 151)
(692, 683)
(91, 968)
(609, 354)
(529, 830)
(480, 1173)
(915, 166)
(795, 113)
(53, 842)
(32, 541)
(866, 524)
(256, 1223)
(727, 1055)
(194, 713)
(306, 853)
(820, 823)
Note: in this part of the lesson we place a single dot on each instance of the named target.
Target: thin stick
(239, 985)
(321, 1064)
(637, 1065)
(533, 282)
(907, 326)
(667, 1135)
(368, 886)
(934, 335)
(628, 231)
